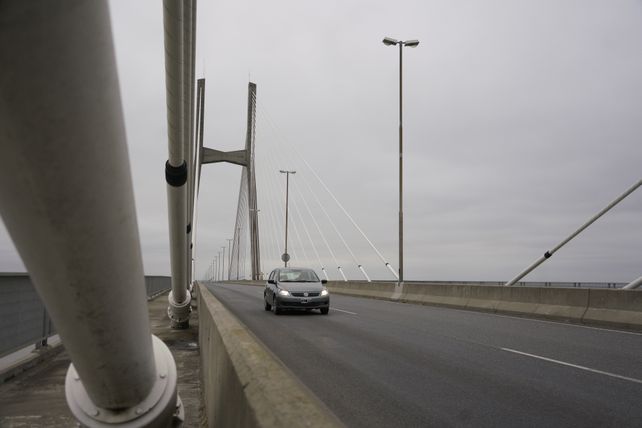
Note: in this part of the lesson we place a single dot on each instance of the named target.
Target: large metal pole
(223, 265)
(67, 201)
(175, 12)
(189, 43)
(229, 251)
(287, 187)
(238, 252)
(400, 163)
(549, 253)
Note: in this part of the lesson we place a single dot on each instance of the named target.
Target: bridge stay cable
(549, 253)
(293, 149)
(336, 229)
(297, 213)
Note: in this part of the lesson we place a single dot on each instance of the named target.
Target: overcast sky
(522, 119)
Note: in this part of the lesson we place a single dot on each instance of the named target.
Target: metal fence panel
(22, 314)
(23, 318)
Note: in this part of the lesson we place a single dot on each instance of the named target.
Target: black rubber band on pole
(176, 176)
(547, 255)
(189, 228)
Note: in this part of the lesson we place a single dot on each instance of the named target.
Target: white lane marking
(341, 310)
(617, 376)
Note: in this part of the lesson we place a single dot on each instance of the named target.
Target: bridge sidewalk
(36, 398)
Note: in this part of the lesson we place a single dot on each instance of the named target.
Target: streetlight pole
(229, 251)
(412, 44)
(223, 265)
(286, 257)
(238, 252)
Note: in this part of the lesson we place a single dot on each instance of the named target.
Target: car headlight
(324, 292)
(284, 292)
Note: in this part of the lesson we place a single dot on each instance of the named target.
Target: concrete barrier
(243, 384)
(618, 308)
(483, 298)
(376, 290)
(435, 294)
(563, 303)
(517, 300)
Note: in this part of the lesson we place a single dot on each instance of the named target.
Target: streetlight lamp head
(389, 41)
(412, 43)
(282, 172)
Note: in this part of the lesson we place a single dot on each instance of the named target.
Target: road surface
(384, 364)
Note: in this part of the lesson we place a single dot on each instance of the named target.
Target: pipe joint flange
(179, 312)
(161, 407)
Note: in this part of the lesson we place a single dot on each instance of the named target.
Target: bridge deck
(36, 398)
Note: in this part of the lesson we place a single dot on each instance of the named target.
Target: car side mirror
(271, 281)
(324, 281)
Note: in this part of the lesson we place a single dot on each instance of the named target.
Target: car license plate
(305, 300)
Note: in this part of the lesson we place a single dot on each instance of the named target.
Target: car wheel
(268, 307)
(325, 311)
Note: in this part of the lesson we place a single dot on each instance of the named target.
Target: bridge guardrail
(23, 318)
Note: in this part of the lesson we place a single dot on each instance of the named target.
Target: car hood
(301, 286)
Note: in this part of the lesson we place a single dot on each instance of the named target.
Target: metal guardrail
(554, 284)
(23, 318)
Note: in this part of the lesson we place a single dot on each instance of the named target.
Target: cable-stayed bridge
(389, 354)
(321, 230)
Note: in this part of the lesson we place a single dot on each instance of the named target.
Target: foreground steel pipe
(189, 52)
(67, 201)
(549, 253)
(176, 168)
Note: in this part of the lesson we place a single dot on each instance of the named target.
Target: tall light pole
(223, 265)
(286, 257)
(229, 252)
(218, 270)
(238, 252)
(411, 44)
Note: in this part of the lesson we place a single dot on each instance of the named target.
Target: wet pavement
(36, 397)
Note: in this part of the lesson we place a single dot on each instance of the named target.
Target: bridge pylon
(244, 158)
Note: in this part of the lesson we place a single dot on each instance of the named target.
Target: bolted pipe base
(178, 313)
(161, 408)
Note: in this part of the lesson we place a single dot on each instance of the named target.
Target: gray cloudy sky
(521, 120)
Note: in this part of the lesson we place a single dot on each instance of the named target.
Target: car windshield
(298, 275)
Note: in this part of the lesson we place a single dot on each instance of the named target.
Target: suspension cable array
(277, 156)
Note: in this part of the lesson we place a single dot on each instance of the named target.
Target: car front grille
(304, 294)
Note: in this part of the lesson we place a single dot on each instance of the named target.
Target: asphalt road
(384, 364)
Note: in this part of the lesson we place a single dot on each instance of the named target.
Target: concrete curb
(33, 359)
(243, 384)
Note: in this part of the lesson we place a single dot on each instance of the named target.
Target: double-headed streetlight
(286, 257)
(411, 44)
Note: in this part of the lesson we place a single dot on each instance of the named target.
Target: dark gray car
(295, 288)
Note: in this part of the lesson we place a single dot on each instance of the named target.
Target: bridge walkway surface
(36, 397)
